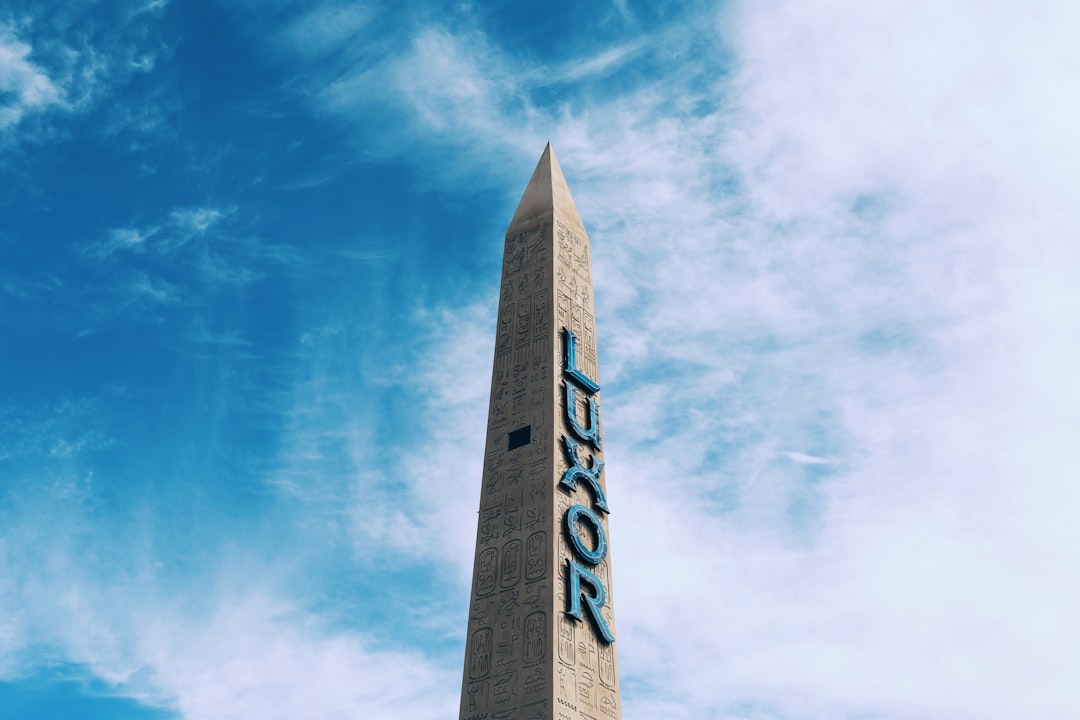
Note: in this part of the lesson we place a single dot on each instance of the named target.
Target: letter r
(593, 602)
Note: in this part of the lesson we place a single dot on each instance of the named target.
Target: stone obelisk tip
(546, 193)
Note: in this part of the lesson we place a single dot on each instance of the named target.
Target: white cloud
(236, 653)
(153, 290)
(179, 227)
(603, 63)
(453, 376)
(195, 221)
(438, 85)
(881, 185)
(27, 87)
(325, 28)
(173, 235)
(255, 659)
(805, 459)
(66, 63)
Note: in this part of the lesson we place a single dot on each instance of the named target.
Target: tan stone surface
(525, 658)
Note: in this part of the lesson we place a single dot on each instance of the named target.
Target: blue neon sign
(578, 576)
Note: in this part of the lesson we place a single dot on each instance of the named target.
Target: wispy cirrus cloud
(325, 28)
(173, 266)
(245, 649)
(153, 290)
(27, 86)
(179, 227)
(48, 70)
(456, 87)
(115, 578)
(69, 428)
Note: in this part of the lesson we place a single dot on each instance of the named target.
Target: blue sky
(249, 258)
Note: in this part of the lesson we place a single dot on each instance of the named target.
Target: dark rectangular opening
(520, 437)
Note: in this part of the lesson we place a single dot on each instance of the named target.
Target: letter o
(580, 512)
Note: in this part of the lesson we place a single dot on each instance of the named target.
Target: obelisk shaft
(541, 628)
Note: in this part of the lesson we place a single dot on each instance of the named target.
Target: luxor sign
(579, 576)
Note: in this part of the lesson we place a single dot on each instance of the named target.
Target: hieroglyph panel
(586, 633)
(509, 635)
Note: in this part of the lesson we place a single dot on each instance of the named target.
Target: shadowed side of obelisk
(539, 531)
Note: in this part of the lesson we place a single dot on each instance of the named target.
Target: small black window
(520, 437)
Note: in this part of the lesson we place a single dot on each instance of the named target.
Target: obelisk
(540, 643)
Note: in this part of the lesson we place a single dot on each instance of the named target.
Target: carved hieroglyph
(542, 527)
